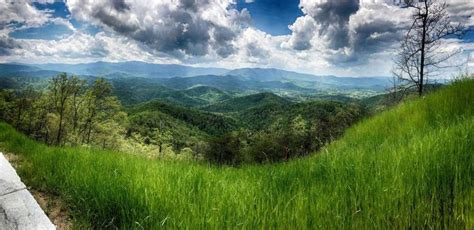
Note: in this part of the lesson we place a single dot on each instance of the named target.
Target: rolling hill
(408, 167)
(229, 83)
(246, 102)
(209, 123)
(263, 116)
(209, 94)
(259, 111)
(132, 91)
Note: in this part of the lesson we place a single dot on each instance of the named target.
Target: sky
(322, 37)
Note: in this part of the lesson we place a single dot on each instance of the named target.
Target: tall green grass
(410, 167)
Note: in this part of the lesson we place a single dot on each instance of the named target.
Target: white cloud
(81, 47)
(462, 10)
(20, 12)
(333, 37)
(303, 31)
(177, 27)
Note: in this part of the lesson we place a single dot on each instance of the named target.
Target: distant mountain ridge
(182, 77)
(133, 68)
(144, 69)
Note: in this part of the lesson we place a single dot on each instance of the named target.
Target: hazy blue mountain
(20, 70)
(261, 74)
(180, 77)
(312, 81)
(133, 68)
(230, 83)
(13, 67)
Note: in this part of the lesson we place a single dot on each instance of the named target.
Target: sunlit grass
(411, 166)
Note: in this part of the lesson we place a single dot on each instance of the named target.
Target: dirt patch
(51, 204)
(54, 208)
(13, 159)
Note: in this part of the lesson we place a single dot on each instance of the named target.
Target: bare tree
(421, 52)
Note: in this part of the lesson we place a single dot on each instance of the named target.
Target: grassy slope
(408, 167)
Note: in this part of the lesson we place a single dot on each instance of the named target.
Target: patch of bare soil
(54, 208)
(13, 159)
(51, 204)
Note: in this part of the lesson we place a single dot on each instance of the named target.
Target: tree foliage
(67, 112)
(72, 111)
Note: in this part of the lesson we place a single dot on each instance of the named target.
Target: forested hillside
(143, 117)
(408, 167)
(247, 102)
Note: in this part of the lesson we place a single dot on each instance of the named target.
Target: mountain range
(181, 77)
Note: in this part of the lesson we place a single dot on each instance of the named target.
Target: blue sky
(273, 16)
(350, 37)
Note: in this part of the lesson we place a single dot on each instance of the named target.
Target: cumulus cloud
(303, 31)
(350, 31)
(343, 37)
(178, 27)
(332, 18)
(16, 15)
(81, 47)
(462, 10)
(371, 31)
(21, 12)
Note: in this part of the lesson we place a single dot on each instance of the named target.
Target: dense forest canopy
(222, 127)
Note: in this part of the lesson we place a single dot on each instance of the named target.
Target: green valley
(236, 114)
(408, 167)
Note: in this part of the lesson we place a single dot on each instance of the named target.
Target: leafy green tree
(225, 149)
(78, 87)
(96, 101)
(61, 88)
(161, 136)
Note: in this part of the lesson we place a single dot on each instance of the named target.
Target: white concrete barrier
(18, 209)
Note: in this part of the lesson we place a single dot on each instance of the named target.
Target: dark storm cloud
(347, 30)
(333, 16)
(369, 37)
(113, 21)
(175, 29)
(7, 45)
(120, 5)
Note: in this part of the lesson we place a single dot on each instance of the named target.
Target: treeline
(69, 111)
(291, 135)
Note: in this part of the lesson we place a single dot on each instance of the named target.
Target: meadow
(408, 167)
